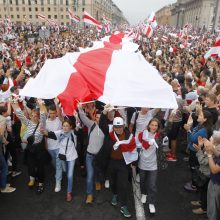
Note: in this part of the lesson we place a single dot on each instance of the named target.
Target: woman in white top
(148, 162)
(67, 151)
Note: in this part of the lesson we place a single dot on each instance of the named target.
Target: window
(36, 16)
(42, 2)
(61, 2)
(48, 2)
(48, 9)
(36, 9)
(30, 16)
(11, 9)
(18, 16)
(55, 2)
(16, 2)
(35, 2)
(55, 16)
(17, 8)
(23, 2)
(67, 2)
(29, 9)
(83, 2)
(4, 1)
(29, 2)
(12, 16)
(61, 16)
(10, 2)
(67, 16)
(61, 9)
(42, 9)
(0, 16)
(49, 16)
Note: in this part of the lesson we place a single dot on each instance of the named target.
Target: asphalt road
(173, 202)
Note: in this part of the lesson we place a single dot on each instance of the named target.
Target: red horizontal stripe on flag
(91, 19)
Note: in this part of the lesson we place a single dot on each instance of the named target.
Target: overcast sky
(138, 10)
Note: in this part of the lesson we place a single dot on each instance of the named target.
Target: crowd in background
(99, 136)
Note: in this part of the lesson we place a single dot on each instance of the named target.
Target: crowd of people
(112, 143)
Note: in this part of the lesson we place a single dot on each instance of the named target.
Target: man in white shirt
(54, 123)
(139, 122)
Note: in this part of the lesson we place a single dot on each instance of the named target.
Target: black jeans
(11, 150)
(148, 186)
(36, 164)
(193, 163)
(203, 194)
(119, 179)
(81, 146)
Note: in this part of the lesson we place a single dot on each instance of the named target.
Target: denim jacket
(192, 137)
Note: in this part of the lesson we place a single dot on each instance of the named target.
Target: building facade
(164, 15)
(23, 11)
(199, 13)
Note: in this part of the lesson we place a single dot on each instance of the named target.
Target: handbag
(199, 178)
(30, 146)
(63, 156)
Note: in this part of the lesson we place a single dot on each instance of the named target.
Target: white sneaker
(16, 173)
(152, 209)
(8, 189)
(144, 198)
(138, 178)
(107, 185)
(57, 187)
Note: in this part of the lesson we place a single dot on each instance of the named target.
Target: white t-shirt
(142, 120)
(54, 125)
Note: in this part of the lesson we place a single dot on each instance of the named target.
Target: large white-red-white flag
(214, 50)
(112, 76)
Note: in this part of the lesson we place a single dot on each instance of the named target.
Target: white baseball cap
(118, 121)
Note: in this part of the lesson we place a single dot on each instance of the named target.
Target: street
(173, 201)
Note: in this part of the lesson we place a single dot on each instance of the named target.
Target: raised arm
(85, 120)
(19, 113)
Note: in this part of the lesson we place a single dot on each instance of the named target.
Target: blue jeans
(90, 173)
(70, 171)
(148, 180)
(3, 172)
(57, 163)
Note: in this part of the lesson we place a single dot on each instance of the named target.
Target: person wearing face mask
(67, 148)
(122, 154)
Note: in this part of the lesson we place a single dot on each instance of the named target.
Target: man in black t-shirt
(210, 102)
